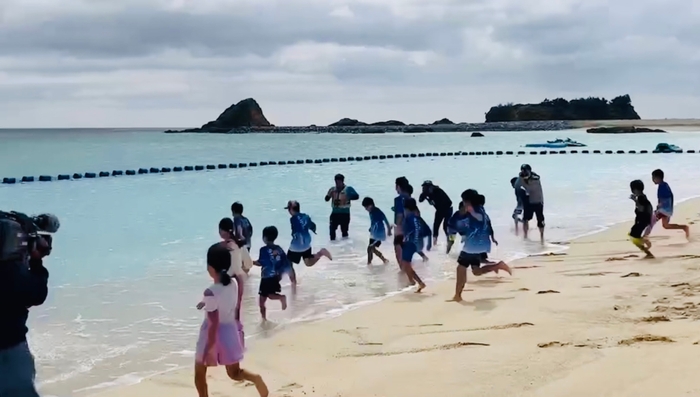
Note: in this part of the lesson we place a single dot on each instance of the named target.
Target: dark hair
(226, 224)
(237, 208)
(658, 174)
(410, 204)
(402, 182)
(339, 177)
(219, 259)
(480, 200)
(367, 201)
(270, 233)
(513, 180)
(470, 195)
(637, 185)
(408, 189)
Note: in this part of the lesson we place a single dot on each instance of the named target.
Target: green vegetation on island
(591, 108)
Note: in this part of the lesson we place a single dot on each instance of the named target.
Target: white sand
(601, 333)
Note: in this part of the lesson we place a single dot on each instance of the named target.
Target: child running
(300, 247)
(520, 199)
(412, 242)
(243, 227)
(472, 222)
(664, 209)
(643, 213)
(402, 188)
(219, 341)
(379, 229)
(273, 262)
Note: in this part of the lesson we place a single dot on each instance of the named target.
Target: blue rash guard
(302, 225)
(242, 225)
(379, 224)
(398, 208)
(273, 261)
(665, 197)
(475, 229)
(413, 231)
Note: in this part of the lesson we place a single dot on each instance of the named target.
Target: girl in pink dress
(237, 269)
(220, 341)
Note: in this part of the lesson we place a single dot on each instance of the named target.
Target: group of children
(646, 217)
(221, 339)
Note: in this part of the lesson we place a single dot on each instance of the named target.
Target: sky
(179, 63)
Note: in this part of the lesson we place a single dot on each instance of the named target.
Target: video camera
(20, 235)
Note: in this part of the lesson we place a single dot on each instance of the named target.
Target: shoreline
(261, 346)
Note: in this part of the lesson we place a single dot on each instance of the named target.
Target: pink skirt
(228, 348)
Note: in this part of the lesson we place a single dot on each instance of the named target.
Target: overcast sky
(179, 63)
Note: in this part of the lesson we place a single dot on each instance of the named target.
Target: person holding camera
(23, 284)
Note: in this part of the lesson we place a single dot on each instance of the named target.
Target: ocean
(128, 265)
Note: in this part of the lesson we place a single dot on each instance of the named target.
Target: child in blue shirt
(472, 222)
(664, 209)
(379, 229)
(273, 263)
(300, 247)
(243, 227)
(412, 241)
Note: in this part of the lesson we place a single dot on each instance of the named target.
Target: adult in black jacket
(22, 285)
(443, 207)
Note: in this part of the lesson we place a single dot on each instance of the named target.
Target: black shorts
(398, 240)
(269, 286)
(296, 257)
(374, 243)
(536, 209)
(638, 229)
(467, 260)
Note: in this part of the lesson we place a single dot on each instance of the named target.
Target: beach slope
(597, 321)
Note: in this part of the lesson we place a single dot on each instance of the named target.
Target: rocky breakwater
(247, 117)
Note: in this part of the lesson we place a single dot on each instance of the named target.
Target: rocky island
(247, 116)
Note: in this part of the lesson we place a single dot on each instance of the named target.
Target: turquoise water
(128, 264)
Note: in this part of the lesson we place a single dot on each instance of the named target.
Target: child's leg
(413, 276)
(460, 283)
(263, 309)
(423, 256)
(379, 255)
(237, 373)
(641, 243)
(478, 271)
(293, 279)
(370, 252)
(665, 222)
(279, 297)
(320, 254)
(200, 380)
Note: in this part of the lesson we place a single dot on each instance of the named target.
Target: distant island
(247, 116)
(591, 108)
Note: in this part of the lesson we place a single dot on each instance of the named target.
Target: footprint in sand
(633, 274)
(522, 289)
(491, 328)
(525, 267)
(615, 258)
(449, 346)
(654, 319)
(555, 343)
(290, 387)
(549, 291)
(645, 338)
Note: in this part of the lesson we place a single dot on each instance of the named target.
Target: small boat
(548, 145)
(569, 142)
(664, 147)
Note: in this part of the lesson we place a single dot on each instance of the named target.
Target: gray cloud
(191, 59)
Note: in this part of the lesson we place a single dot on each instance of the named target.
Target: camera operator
(23, 284)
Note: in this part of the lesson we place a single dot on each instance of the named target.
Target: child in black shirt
(643, 213)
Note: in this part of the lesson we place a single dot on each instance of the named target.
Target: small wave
(171, 242)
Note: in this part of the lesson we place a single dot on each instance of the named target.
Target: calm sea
(128, 263)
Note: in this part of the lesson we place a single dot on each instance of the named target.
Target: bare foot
(504, 267)
(647, 243)
(326, 253)
(421, 286)
(435, 241)
(686, 229)
(649, 256)
(386, 261)
(455, 298)
(425, 259)
(283, 301)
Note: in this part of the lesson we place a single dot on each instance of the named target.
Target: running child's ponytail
(224, 277)
(219, 259)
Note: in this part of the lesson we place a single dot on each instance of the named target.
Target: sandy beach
(595, 321)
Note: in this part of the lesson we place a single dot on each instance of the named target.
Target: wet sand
(596, 321)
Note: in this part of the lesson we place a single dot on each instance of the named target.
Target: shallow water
(128, 264)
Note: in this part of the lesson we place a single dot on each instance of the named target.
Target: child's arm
(351, 193)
